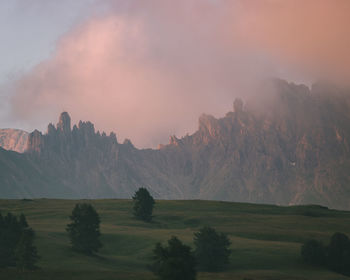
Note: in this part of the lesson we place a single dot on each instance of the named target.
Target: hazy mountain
(13, 139)
(290, 146)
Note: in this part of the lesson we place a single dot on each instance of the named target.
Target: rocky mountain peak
(291, 146)
(64, 123)
(62, 141)
(173, 140)
(128, 143)
(35, 142)
(86, 128)
(13, 139)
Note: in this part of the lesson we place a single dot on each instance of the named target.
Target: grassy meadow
(266, 239)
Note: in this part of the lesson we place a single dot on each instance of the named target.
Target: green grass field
(266, 239)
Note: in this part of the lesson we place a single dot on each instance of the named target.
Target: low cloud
(148, 69)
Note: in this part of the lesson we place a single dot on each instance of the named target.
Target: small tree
(143, 205)
(26, 253)
(313, 252)
(211, 249)
(84, 231)
(174, 262)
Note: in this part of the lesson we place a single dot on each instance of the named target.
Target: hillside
(265, 239)
(290, 146)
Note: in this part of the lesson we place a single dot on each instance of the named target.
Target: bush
(174, 262)
(313, 252)
(84, 231)
(211, 249)
(143, 205)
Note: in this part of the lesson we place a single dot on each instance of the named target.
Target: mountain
(288, 146)
(13, 139)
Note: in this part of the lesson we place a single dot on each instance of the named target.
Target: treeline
(17, 243)
(334, 256)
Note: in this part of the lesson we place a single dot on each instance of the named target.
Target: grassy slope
(265, 239)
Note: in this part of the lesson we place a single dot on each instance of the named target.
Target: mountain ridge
(294, 152)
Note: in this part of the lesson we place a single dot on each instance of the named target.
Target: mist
(149, 69)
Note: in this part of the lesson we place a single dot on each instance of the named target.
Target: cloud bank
(148, 69)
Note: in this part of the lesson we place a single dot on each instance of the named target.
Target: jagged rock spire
(64, 123)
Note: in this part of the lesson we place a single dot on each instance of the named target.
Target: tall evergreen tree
(143, 205)
(84, 231)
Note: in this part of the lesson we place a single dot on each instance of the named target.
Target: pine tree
(84, 231)
(143, 205)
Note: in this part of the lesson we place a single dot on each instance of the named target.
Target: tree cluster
(175, 261)
(17, 243)
(335, 256)
(178, 261)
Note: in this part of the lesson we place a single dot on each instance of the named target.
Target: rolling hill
(266, 239)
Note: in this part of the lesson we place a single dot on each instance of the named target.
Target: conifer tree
(143, 205)
(84, 231)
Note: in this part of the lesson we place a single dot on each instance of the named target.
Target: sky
(148, 69)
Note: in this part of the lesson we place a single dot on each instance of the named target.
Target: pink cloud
(150, 68)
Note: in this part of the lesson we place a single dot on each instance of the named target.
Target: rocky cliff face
(13, 139)
(290, 147)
